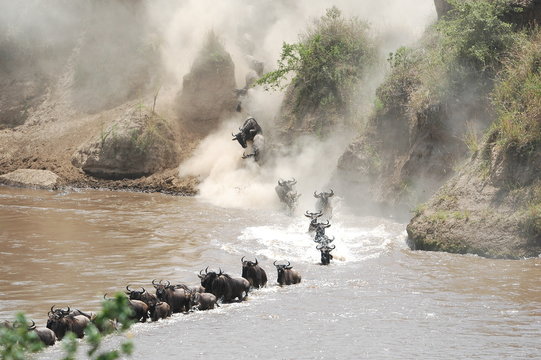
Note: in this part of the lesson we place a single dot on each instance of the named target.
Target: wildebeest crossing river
(376, 300)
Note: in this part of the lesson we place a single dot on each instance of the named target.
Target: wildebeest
(177, 298)
(159, 310)
(313, 220)
(139, 309)
(323, 203)
(325, 250)
(286, 274)
(46, 335)
(223, 286)
(323, 240)
(63, 312)
(286, 193)
(142, 295)
(203, 301)
(320, 230)
(61, 323)
(252, 272)
(248, 131)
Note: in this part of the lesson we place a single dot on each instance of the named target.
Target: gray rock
(138, 144)
(42, 179)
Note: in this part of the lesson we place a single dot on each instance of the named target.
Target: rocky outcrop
(41, 179)
(139, 144)
(207, 94)
(492, 208)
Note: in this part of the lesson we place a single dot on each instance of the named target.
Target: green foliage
(16, 341)
(327, 64)
(475, 36)
(517, 97)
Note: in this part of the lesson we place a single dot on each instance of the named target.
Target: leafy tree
(328, 62)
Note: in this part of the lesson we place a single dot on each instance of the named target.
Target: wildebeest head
(247, 263)
(287, 184)
(241, 138)
(208, 278)
(160, 289)
(134, 294)
(325, 250)
(324, 195)
(313, 216)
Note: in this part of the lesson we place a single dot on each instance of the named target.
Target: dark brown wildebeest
(252, 272)
(325, 250)
(286, 275)
(61, 323)
(46, 335)
(223, 286)
(159, 310)
(142, 295)
(203, 301)
(139, 309)
(177, 298)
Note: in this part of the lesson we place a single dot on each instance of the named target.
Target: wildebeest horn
(242, 260)
(280, 182)
(315, 194)
(256, 262)
(33, 326)
(168, 283)
(154, 283)
(319, 247)
(331, 193)
(293, 181)
(332, 239)
(274, 263)
(206, 270)
(307, 214)
(52, 309)
(221, 272)
(128, 288)
(66, 311)
(144, 291)
(333, 247)
(288, 263)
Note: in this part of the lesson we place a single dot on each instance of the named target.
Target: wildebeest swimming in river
(313, 220)
(252, 272)
(286, 274)
(61, 323)
(251, 134)
(325, 250)
(224, 286)
(177, 298)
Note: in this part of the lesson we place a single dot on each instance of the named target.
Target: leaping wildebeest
(223, 286)
(286, 274)
(252, 272)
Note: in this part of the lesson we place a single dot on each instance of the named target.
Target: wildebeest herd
(216, 287)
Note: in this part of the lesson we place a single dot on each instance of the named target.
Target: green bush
(327, 64)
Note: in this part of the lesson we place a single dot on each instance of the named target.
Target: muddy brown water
(377, 300)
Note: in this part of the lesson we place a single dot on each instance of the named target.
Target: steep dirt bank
(486, 209)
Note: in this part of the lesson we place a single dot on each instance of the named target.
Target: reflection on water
(377, 300)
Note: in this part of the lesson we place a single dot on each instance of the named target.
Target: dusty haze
(115, 51)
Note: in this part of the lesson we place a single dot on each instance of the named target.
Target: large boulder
(138, 144)
(490, 208)
(41, 179)
(207, 94)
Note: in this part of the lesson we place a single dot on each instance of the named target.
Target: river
(377, 299)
